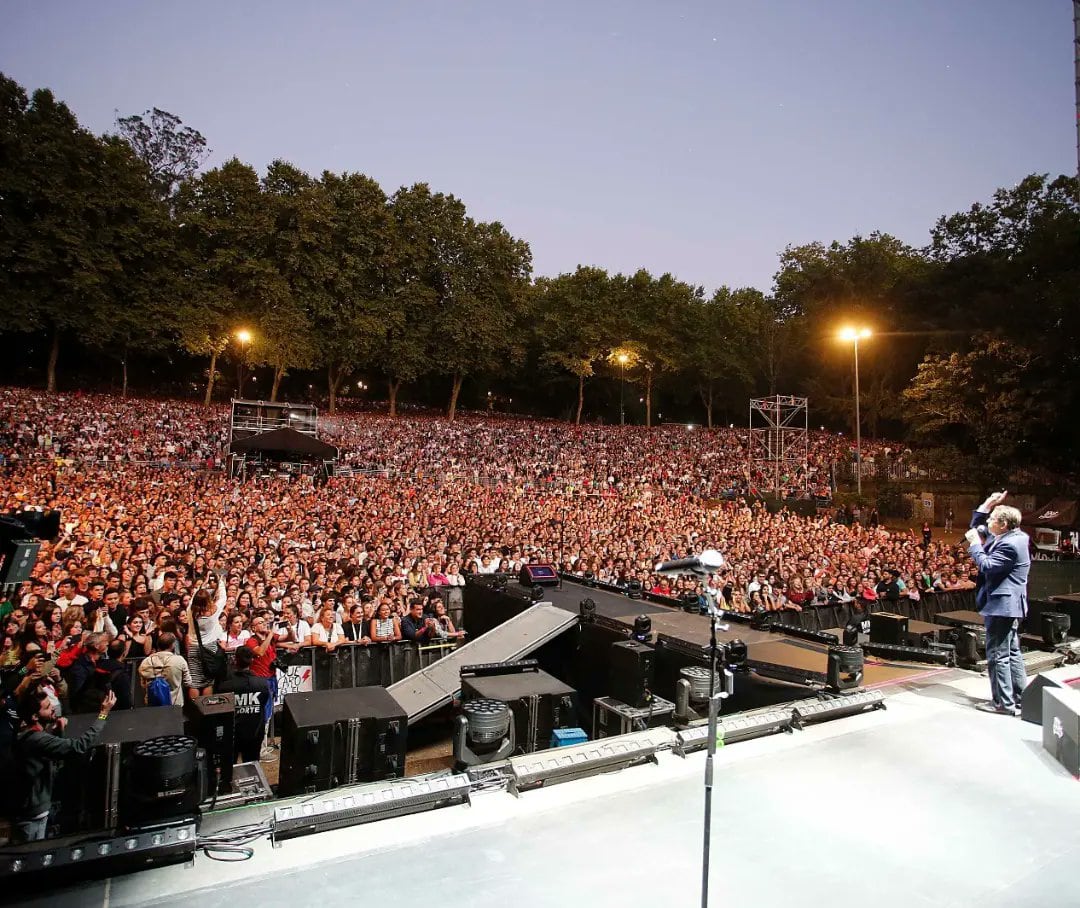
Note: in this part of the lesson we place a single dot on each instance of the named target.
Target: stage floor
(927, 803)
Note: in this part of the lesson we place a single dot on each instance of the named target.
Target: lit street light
(622, 359)
(244, 337)
(854, 335)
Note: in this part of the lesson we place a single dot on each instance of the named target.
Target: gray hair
(1007, 515)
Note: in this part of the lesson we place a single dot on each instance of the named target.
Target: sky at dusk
(699, 138)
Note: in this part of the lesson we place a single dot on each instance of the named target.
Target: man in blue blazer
(1004, 559)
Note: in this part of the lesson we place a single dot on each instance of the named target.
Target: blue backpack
(158, 692)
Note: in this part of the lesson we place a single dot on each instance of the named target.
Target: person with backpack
(164, 665)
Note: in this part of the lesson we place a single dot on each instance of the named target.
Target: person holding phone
(39, 749)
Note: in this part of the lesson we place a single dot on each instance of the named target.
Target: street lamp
(622, 359)
(854, 335)
(244, 337)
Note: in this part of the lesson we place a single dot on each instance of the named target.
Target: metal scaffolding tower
(779, 443)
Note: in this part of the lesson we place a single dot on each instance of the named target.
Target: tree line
(126, 245)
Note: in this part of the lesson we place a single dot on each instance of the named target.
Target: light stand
(715, 696)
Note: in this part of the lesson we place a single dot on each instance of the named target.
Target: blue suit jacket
(1004, 562)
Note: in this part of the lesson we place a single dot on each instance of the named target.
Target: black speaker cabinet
(885, 627)
(211, 721)
(89, 788)
(339, 737)
(1031, 704)
(539, 702)
(631, 673)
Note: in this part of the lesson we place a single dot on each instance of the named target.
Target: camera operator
(39, 748)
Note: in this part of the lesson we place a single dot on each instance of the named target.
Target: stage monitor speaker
(213, 726)
(538, 575)
(340, 737)
(1061, 726)
(540, 704)
(90, 788)
(631, 673)
(1031, 703)
(885, 627)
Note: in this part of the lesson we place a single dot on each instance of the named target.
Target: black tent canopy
(285, 444)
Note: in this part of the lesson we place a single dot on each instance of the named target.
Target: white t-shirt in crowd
(321, 635)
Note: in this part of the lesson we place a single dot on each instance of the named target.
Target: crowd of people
(174, 568)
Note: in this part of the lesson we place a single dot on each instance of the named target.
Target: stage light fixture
(821, 709)
(633, 589)
(793, 630)
(536, 593)
(737, 654)
(732, 729)
(587, 611)
(72, 859)
(564, 764)
(845, 670)
(851, 634)
(939, 656)
(1055, 628)
(642, 629)
(368, 803)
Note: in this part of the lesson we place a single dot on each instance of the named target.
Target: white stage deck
(929, 803)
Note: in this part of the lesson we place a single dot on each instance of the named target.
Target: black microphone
(706, 563)
(983, 532)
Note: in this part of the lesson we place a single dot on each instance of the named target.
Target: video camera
(18, 549)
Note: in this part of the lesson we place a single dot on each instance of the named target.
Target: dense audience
(164, 571)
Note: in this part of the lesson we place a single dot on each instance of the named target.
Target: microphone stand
(715, 696)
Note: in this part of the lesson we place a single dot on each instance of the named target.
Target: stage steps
(423, 692)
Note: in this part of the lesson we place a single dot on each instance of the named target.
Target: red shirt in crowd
(260, 665)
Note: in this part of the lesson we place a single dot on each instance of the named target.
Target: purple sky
(693, 137)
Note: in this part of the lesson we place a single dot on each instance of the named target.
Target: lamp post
(244, 337)
(622, 359)
(854, 335)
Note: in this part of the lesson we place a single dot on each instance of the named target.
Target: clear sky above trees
(693, 137)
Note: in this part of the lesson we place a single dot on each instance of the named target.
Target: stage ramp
(423, 692)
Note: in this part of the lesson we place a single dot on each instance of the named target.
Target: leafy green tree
(226, 231)
(357, 298)
(714, 343)
(79, 230)
(574, 323)
(654, 312)
(988, 401)
(477, 276)
(172, 152)
(1009, 270)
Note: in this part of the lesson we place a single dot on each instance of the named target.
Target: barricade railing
(313, 668)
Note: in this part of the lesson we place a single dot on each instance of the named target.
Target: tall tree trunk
(455, 391)
(279, 374)
(395, 386)
(709, 407)
(123, 387)
(648, 398)
(333, 382)
(580, 399)
(54, 355)
(210, 379)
